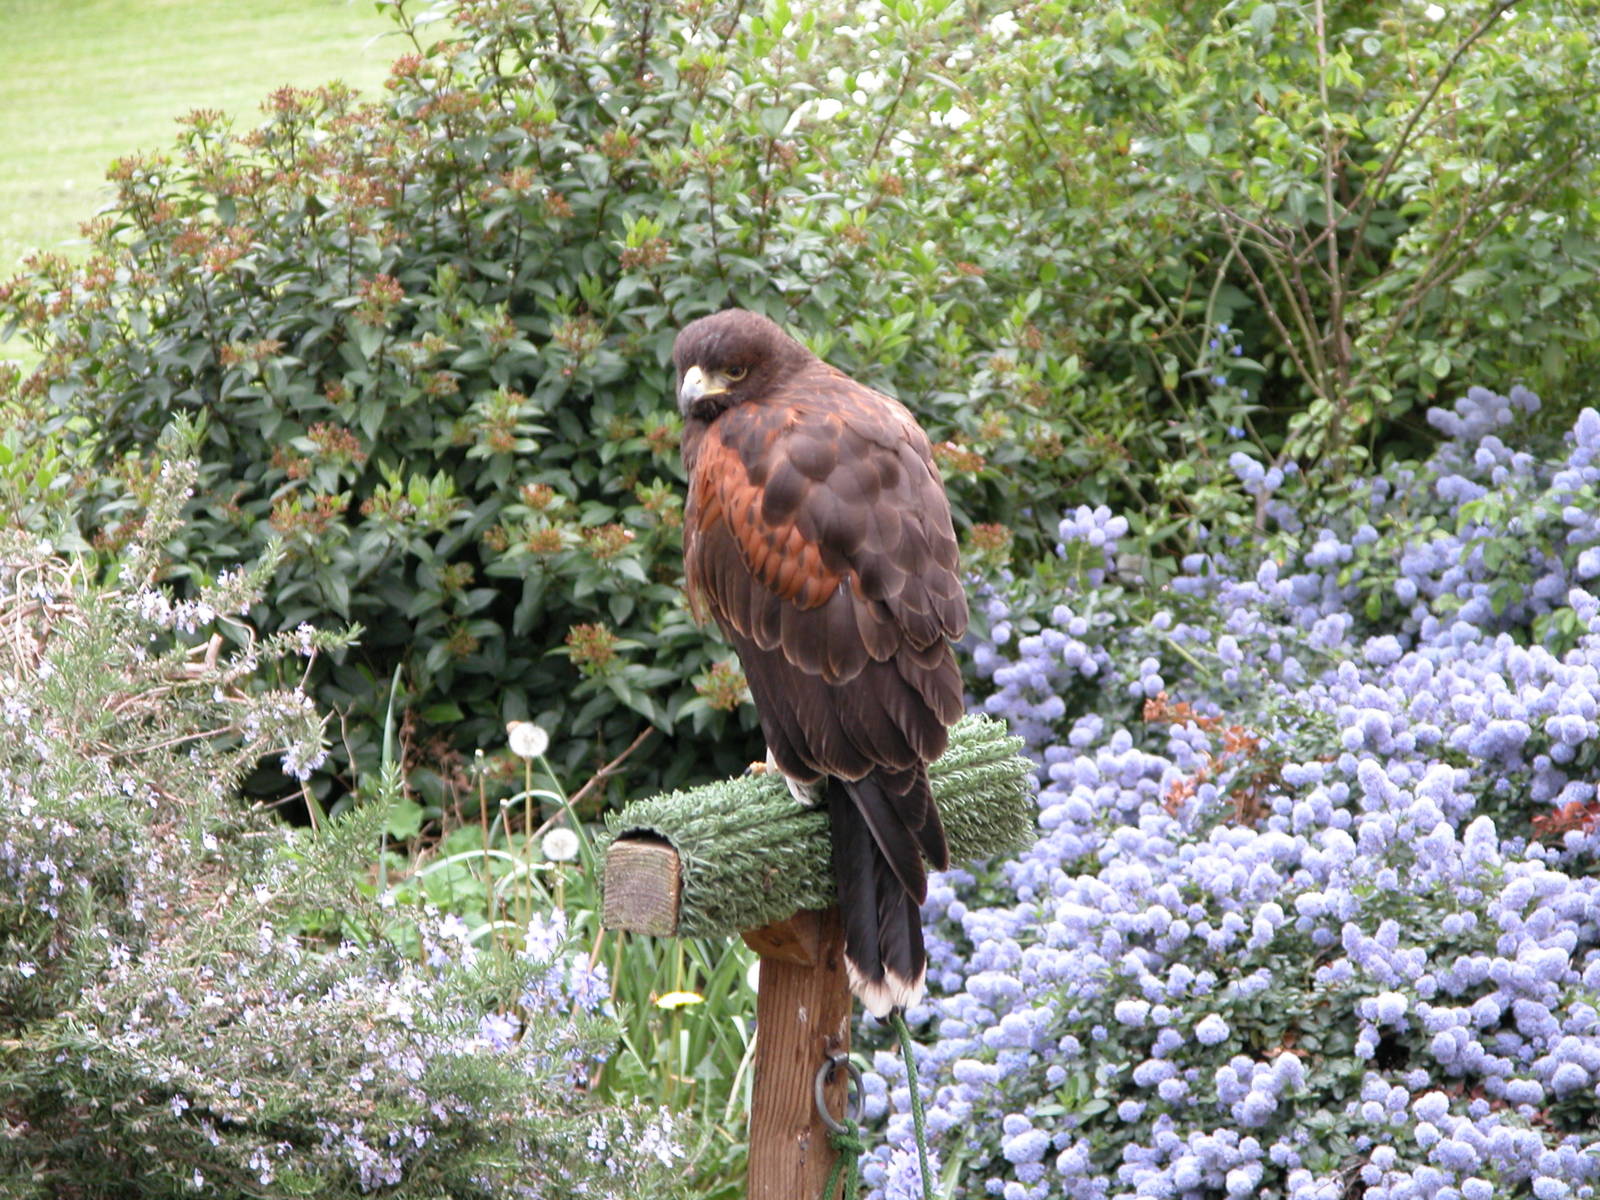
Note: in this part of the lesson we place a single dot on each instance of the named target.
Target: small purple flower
(1390, 1007)
(499, 1031)
(1210, 1030)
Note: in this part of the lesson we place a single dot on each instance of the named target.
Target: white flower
(824, 109)
(1003, 27)
(560, 845)
(300, 761)
(527, 739)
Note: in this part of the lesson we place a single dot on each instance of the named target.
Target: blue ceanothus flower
(1315, 897)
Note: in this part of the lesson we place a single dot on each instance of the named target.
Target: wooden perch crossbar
(740, 854)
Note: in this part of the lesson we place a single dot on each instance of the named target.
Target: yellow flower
(680, 1000)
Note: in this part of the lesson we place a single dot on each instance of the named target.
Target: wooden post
(803, 1007)
(802, 1018)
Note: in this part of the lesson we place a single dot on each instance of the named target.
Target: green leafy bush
(1303, 221)
(1096, 249)
(194, 1001)
(429, 337)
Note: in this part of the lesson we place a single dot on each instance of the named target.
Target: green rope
(849, 1148)
(918, 1121)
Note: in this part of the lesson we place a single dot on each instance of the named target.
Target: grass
(83, 82)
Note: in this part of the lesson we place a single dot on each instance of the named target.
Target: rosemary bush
(195, 1001)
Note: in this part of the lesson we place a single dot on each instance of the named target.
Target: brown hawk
(818, 536)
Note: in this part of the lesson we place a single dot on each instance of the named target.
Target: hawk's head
(728, 358)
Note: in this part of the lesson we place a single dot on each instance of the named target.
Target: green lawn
(84, 81)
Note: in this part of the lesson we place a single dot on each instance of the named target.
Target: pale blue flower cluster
(1315, 904)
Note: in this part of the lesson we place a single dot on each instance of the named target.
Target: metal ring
(825, 1073)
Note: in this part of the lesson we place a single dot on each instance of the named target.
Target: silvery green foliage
(195, 1001)
(1314, 911)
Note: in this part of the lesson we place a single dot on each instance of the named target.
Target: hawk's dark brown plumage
(818, 536)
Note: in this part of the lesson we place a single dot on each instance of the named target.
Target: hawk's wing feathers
(827, 484)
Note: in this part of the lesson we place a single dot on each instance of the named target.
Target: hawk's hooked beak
(697, 385)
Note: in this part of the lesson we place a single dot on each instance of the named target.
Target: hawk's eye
(735, 374)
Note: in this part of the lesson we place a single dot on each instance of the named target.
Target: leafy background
(1202, 277)
(430, 330)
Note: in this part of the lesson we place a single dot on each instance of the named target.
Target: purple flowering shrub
(197, 1001)
(1314, 910)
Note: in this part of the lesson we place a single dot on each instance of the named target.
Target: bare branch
(611, 768)
(1267, 306)
(1337, 282)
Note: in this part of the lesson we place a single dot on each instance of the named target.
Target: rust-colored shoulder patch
(764, 524)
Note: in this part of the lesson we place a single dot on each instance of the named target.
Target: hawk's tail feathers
(883, 949)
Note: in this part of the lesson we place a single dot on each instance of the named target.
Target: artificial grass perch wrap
(749, 854)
